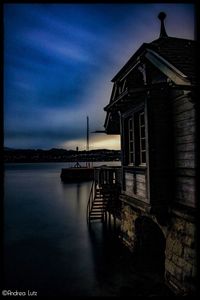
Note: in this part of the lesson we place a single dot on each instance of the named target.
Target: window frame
(131, 141)
(142, 138)
(137, 138)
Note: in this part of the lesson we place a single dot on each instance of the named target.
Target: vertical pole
(87, 146)
(76, 155)
(106, 219)
(87, 133)
(109, 219)
(114, 220)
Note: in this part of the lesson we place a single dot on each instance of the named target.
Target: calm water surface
(48, 247)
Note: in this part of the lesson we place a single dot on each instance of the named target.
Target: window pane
(130, 135)
(143, 157)
(142, 119)
(130, 124)
(130, 158)
(142, 131)
(131, 140)
(143, 144)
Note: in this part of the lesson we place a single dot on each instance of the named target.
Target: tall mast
(87, 134)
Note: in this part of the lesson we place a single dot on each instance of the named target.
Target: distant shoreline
(59, 155)
(60, 161)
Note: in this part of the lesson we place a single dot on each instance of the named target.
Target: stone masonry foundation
(127, 232)
(180, 262)
(180, 251)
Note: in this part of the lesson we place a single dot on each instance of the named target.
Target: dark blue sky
(59, 60)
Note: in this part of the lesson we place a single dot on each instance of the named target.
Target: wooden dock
(77, 174)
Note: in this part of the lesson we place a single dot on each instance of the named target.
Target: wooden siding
(135, 185)
(160, 132)
(184, 150)
(185, 190)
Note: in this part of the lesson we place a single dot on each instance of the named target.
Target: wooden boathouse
(152, 108)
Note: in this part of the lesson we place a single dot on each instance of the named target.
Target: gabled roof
(180, 53)
(174, 57)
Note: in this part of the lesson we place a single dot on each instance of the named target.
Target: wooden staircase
(96, 205)
(103, 194)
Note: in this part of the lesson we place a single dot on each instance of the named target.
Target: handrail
(107, 175)
(106, 178)
(90, 200)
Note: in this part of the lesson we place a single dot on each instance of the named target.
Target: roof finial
(162, 16)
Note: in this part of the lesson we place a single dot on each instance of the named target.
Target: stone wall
(180, 262)
(180, 251)
(127, 232)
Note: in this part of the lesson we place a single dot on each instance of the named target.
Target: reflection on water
(48, 247)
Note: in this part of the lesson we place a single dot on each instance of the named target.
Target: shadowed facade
(152, 107)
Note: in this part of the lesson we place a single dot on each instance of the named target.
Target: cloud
(59, 60)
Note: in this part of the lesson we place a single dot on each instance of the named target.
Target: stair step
(102, 197)
(98, 199)
(96, 216)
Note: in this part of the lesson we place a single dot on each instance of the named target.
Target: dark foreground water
(48, 246)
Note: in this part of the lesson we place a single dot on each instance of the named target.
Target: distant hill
(59, 155)
(8, 149)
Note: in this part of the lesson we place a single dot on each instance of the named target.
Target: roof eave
(131, 64)
(167, 68)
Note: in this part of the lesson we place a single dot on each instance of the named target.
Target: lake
(48, 245)
(50, 251)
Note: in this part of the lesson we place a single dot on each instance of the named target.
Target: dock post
(114, 220)
(109, 220)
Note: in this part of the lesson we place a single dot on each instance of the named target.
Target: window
(136, 139)
(142, 138)
(131, 140)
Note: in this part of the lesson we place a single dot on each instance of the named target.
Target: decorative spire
(162, 16)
